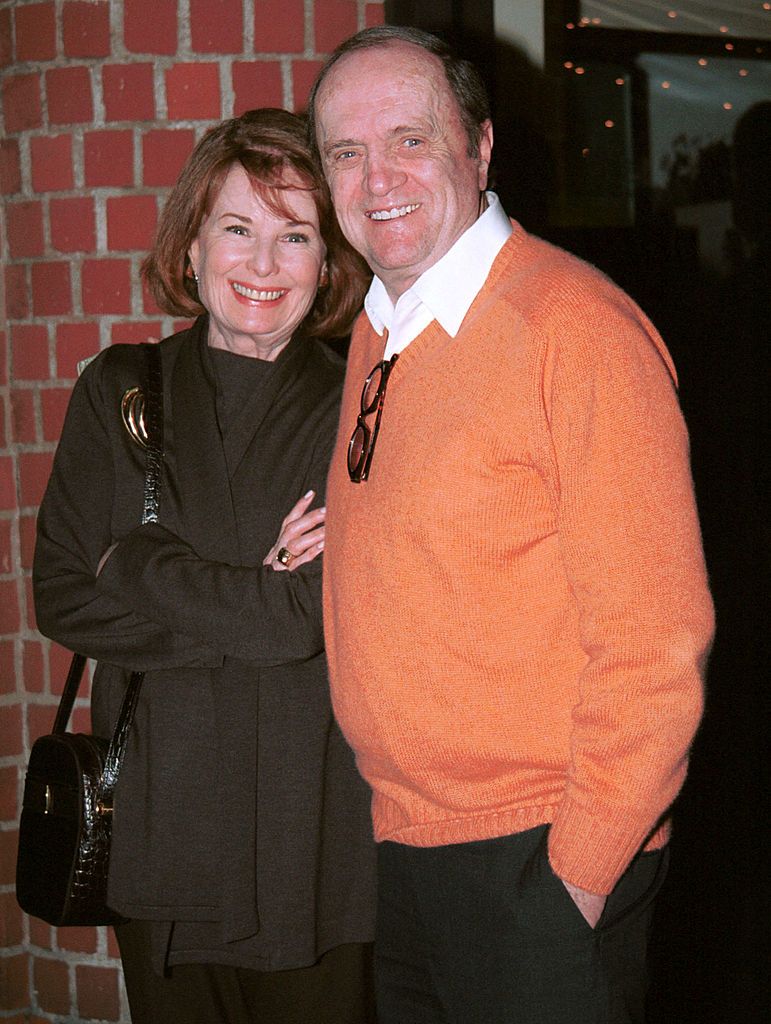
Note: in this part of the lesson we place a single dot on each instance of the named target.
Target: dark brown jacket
(239, 814)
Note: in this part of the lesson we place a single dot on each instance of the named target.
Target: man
(515, 599)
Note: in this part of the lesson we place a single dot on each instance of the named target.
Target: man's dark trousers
(485, 933)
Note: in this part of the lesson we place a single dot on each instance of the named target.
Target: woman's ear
(192, 260)
(324, 275)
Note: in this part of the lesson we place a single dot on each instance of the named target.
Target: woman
(241, 845)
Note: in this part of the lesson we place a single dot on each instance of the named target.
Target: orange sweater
(516, 606)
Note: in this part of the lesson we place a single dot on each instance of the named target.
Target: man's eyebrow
(340, 144)
(399, 129)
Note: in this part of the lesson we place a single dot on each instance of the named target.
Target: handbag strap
(74, 676)
(150, 509)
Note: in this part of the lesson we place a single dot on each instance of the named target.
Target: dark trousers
(336, 990)
(485, 933)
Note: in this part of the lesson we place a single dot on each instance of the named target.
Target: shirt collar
(448, 288)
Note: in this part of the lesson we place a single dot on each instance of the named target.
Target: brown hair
(462, 76)
(270, 145)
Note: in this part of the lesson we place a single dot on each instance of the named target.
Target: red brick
(53, 402)
(113, 949)
(7, 667)
(106, 286)
(6, 50)
(40, 933)
(81, 719)
(134, 333)
(11, 932)
(3, 438)
(24, 430)
(69, 96)
(217, 26)
(6, 554)
(193, 92)
(257, 84)
(28, 605)
(73, 224)
(8, 845)
(34, 471)
(52, 163)
(32, 665)
(374, 14)
(10, 714)
(164, 153)
(10, 167)
(334, 21)
(9, 801)
(25, 229)
(27, 540)
(35, 32)
(303, 76)
(77, 940)
(51, 294)
(73, 343)
(40, 719)
(86, 29)
(10, 621)
(3, 363)
(29, 345)
(109, 158)
(16, 293)
(7, 483)
(52, 984)
(150, 26)
(22, 107)
(59, 659)
(128, 92)
(98, 992)
(279, 26)
(14, 981)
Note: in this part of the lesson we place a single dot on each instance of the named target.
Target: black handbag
(66, 818)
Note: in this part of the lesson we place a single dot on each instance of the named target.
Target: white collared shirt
(445, 291)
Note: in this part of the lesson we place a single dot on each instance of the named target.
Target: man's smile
(394, 213)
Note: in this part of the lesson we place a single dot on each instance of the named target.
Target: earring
(195, 276)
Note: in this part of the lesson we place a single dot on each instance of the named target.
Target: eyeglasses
(362, 444)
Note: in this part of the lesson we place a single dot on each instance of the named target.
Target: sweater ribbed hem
(594, 857)
(390, 825)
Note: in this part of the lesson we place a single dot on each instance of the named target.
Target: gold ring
(284, 556)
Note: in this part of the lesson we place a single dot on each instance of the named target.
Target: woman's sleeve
(252, 613)
(74, 530)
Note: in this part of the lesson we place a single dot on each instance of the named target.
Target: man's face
(395, 154)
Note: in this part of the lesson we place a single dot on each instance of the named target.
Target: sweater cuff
(594, 853)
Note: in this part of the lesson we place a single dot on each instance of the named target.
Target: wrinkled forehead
(364, 75)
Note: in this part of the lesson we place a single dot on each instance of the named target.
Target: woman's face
(258, 273)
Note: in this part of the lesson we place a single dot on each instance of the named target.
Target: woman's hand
(105, 556)
(301, 538)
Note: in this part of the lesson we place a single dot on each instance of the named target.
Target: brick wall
(102, 101)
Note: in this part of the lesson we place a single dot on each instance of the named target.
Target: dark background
(710, 962)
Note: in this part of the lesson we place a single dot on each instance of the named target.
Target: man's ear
(485, 152)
